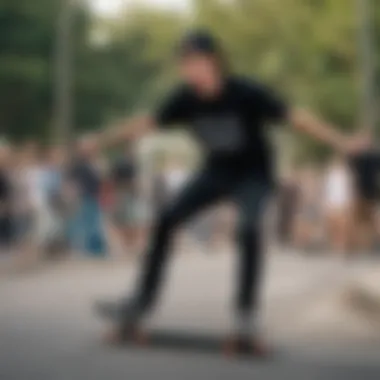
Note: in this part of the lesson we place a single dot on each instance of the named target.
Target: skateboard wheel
(235, 347)
(140, 337)
(230, 348)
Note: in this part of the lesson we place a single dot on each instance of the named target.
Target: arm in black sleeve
(174, 110)
(264, 103)
(273, 108)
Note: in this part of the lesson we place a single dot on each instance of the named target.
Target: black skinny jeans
(212, 184)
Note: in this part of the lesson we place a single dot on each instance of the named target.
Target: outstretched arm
(309, 124)
(131, 129)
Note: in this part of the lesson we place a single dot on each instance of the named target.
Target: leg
(204, 190)
(209, 186)
(93, 227)
(76, 226)
(251, 199)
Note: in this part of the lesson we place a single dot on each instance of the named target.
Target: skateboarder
(229, 115)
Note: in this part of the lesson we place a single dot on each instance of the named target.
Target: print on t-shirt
(220, 133)
(232, 125)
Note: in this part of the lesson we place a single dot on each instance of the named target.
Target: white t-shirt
(338, 190)
(34, 181)
(175, 179)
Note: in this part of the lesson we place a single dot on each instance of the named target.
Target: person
(288, 198)
(31, 182)
(26, 188)
(365, 171)
(53, 181)
(128, 208)
(86, 228)
(338, 203)
(229, 115)
(176, 175)
(6, 221)
(308, 219)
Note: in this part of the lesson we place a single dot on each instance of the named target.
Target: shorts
(365, 211)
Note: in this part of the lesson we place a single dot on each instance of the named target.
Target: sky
(111, 7)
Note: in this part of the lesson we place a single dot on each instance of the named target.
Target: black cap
(198, 41)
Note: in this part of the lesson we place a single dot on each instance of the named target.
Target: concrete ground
(48, 330)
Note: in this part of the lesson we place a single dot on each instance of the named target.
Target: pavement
(48, 330)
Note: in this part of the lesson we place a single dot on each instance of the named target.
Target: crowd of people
(53, 201)
(89, 205)
(326, 209)
(81, 202)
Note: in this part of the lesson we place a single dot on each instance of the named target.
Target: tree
(307, 50)
(26, 48)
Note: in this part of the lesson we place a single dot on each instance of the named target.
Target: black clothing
(6, 225)
(232, 127)
(199, 41)
(85, 177)
(212, 184)
(5, 188)
(287, 207)
(366, 172)
(124, 172)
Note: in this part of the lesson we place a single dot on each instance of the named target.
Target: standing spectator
(23, 208)
(86, 229)
(288, 198)
(32, 182)
(175, 175)
(128, 208)
(6, 227)
(53, 187)
(308, 219)
(338, 203)
(365, 170)
(159, 190)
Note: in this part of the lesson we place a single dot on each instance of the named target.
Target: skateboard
(189, 342)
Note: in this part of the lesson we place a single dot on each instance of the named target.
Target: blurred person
(128, 213)
(365, 168)
(287, 200)
(175, 174)
(53, 187)
(338, 198)
(25, 207)
(35, 210)
(6, 198)
(220, 225)
(159, 189)
(309, 211)
(229, 115)
(86, 226)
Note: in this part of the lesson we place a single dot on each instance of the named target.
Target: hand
(357, 144)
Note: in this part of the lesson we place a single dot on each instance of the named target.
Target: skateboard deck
(190, 342)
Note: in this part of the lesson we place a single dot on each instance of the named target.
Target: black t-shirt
(366, 172)
(85, 177)
(5, 192)
(4, 187)
(124, 171)
(231, 127)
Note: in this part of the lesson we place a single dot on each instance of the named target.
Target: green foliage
(308, 50)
